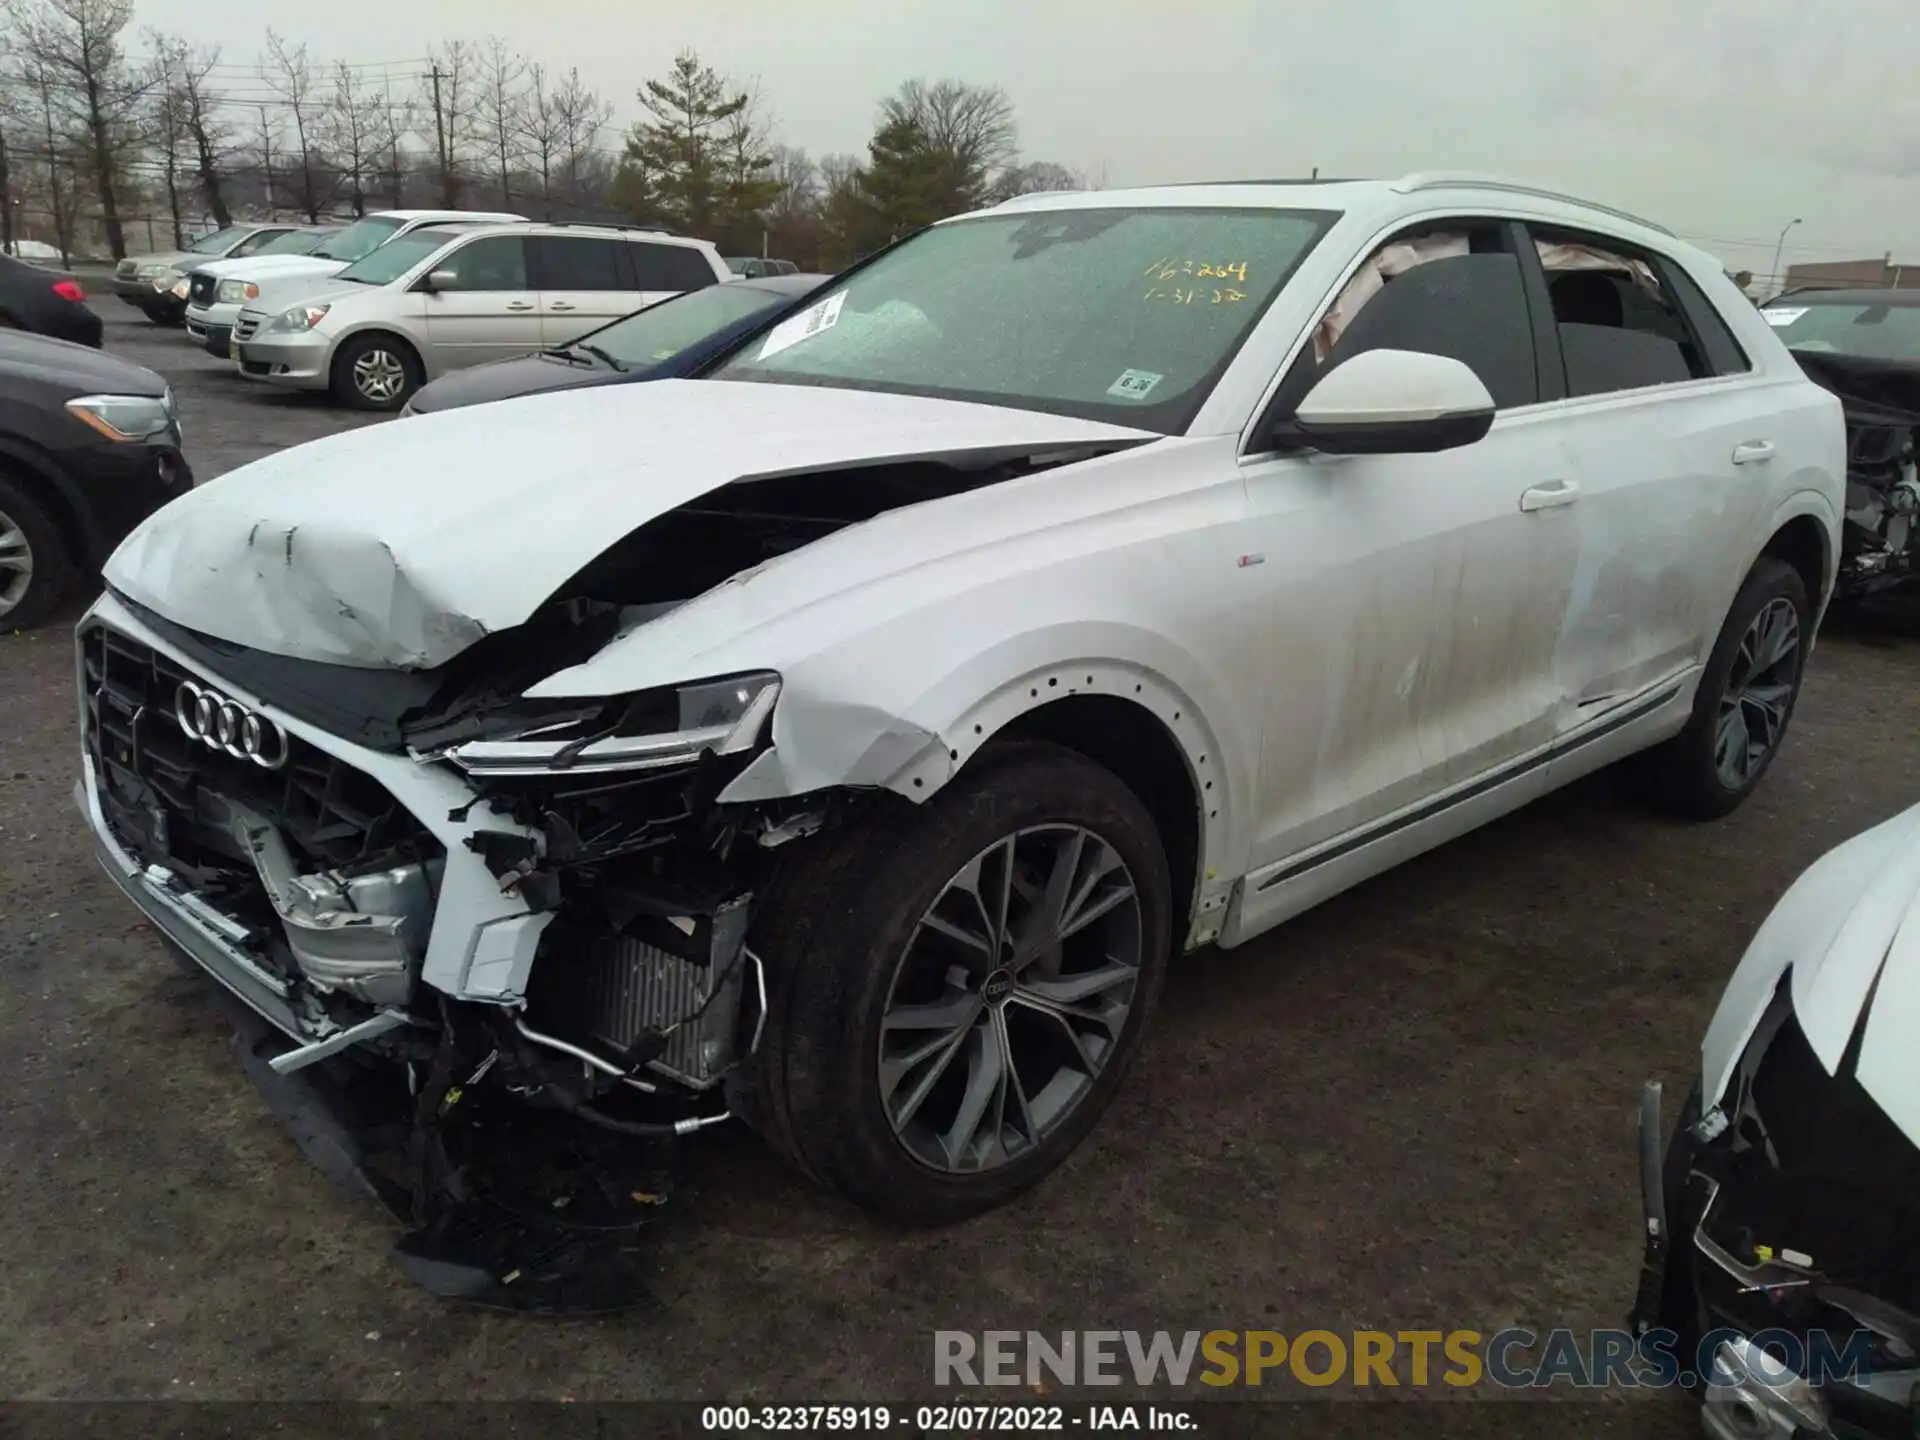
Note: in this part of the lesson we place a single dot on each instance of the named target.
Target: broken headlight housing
(649, 730)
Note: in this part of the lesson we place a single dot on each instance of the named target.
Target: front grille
(153, 777)
(246, 327)
(202, 289)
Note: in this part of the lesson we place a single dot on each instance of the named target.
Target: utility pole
(393, 149)
(447, 196)
(266, 158)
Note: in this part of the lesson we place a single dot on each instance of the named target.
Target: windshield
(662, 331)
(358, 239)
(395, 258)
(296, 242)
(1875, 332)
(1123, 315)
(218, 243)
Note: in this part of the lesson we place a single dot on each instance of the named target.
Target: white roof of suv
(1389, 198)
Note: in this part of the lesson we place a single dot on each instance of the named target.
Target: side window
(253, 242)
(1449, 292)
(1618, 326)
(669, 267)
(1723, 351)
(497, 262)
(578, 262)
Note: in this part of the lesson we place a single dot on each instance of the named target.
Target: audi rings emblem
(228, 726)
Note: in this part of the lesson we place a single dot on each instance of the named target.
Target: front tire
(375, 372)
(36, 570)
(958, 988)
(1746, 698)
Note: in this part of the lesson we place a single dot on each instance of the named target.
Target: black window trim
(1626, 250)
(1256, 443)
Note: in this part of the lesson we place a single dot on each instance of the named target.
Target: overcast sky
(1721, 120)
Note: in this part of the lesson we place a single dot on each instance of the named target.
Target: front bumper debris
(373, 920)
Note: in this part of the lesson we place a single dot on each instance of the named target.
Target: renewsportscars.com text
(1513, 1358)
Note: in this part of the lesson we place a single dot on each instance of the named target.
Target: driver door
(1413, 602)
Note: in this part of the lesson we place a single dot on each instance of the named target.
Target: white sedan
(849, 740)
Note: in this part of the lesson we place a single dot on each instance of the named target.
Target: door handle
(1548, 496)
(519, 304)
(560, 305)
(1749, 451)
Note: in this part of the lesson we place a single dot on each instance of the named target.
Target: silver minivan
(439, 300)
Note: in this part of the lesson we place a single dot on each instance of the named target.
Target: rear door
(1668, 444)
(487, 309)
(585, 281)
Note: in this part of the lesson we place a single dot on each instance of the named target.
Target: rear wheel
(1744, 703)
(36, 570)
(958, 988)
(375, 372)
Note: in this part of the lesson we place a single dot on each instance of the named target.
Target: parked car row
(371, 312)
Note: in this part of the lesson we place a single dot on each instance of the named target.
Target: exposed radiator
(634, 987)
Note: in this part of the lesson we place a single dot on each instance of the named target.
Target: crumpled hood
(1849, 931)
(401, 544)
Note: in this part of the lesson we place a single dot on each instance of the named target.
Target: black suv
(89, 447)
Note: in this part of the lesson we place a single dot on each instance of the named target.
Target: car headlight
(177, 289)
(148, 272)
(237, 292)
(301, 318)
(167, 279)
(125, 419)
(650, 730)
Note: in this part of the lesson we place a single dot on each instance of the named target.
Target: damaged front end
(491, 967)
(1783, 1246)
(1880, 543)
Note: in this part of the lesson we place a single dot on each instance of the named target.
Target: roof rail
(1013, 202)
(1449, 179)
(608, 225)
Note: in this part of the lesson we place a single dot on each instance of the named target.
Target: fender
(1812, 503)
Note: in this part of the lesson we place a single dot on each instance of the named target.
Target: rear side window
(1723, 351)
(1468, 307)
(569, 262)
(1618, 325)
(668, 267)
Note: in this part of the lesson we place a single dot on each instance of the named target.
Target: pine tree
(705, 161)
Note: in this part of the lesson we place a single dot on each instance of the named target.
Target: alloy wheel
(1010, 998)
(1759, 693)
(16, 564)
(379, 375)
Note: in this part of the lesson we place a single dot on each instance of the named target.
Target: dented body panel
(400, 546)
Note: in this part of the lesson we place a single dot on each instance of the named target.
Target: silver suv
(439, 300)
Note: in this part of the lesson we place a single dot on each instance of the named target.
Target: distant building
(1881, 274)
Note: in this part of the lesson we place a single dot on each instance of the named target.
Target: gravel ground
(1411, 1108)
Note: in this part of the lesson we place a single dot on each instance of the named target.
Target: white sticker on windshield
(804, 326)
(1134, 384)
(1784, 317)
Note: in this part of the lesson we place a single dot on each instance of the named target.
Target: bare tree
(168, 125)
(288, 71)
(540, 133)
(580, 114)
(394, 120)
(500, 103)
(1034, 177)
(799, 181)
(971, 123)
(207, 138)
(87, 91)
(447, 89)
(355, 131)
